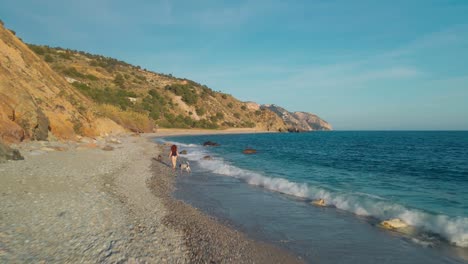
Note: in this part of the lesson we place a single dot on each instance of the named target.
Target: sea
(364, 178)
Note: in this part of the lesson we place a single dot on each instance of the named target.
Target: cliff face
(35, 101)
(299, 121)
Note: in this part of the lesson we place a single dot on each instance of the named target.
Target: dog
(185, 167)
(159, 158)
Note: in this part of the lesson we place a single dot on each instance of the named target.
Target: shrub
(141, 77)
(116, 97)
(65, 55)
(154, 104)
(243, 107)
(230, 105)
(119, 80)
(224, 96)
(134, 121)
(73, 72)
(186, 91)
(37, 49)
(237, 115)
(91, 77)
(48, 58)
(203, 123)
(200, 111)
(77, 126)
(249, 124)
(219, 115)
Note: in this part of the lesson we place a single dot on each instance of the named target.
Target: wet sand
(207, 240)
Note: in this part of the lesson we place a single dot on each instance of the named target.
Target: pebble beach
(108, 200)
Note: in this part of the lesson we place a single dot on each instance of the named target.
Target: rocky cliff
(299, 121)
(36, 102)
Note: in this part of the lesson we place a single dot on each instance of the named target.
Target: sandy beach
(106, 200)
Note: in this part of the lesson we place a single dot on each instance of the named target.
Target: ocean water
(364, 178)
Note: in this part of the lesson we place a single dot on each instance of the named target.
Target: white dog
(185, 167)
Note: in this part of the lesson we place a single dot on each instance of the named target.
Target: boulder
(210, 143)
(319, 202)
(208, 158)
(7, 153)
(249, 151)
(183, 152)
(41, 130)
(394, 223)
(108, 148)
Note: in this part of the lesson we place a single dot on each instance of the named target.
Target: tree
(119, 80)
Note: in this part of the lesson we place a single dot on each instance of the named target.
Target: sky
(360, 65)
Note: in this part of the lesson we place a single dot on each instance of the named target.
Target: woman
(173, 155)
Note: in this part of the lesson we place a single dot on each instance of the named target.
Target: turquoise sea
(364, 178)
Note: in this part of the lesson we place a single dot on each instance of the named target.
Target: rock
(394, 223)
(108, 148)
(41, 130)
(210, 143)
(59, 148)
(47, 149)
(114, 141)
(208, 158)
(87, 145)
(7, 153)
(183, 152)
(249, 151)
(319, 202)
(87, 140)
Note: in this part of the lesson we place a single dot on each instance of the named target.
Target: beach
(108, 200)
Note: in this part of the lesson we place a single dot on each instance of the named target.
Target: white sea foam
(454, 229)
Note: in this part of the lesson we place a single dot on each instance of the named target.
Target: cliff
(299, 121)
(36, 102)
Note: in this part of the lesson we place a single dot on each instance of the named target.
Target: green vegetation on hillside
(187, 91)
(125, 91)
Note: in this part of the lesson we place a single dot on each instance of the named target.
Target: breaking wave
(453, 229)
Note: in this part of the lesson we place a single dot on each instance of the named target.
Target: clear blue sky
(361, 64)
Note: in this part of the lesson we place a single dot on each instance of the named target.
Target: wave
(453, 229)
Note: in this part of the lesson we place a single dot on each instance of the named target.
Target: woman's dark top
(174, 150)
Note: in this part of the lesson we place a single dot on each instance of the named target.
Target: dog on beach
(185, 167)
(159, 157)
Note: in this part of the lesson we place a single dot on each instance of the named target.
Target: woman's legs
(174, 162)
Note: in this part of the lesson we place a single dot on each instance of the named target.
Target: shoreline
(106, 200)
(208, 240)
(166, 132)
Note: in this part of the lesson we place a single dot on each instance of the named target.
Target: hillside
(63, 93)
(36, 102)
(169, 101)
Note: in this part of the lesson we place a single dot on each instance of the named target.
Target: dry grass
(133, 121)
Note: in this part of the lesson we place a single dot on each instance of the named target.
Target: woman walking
(173, 155)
